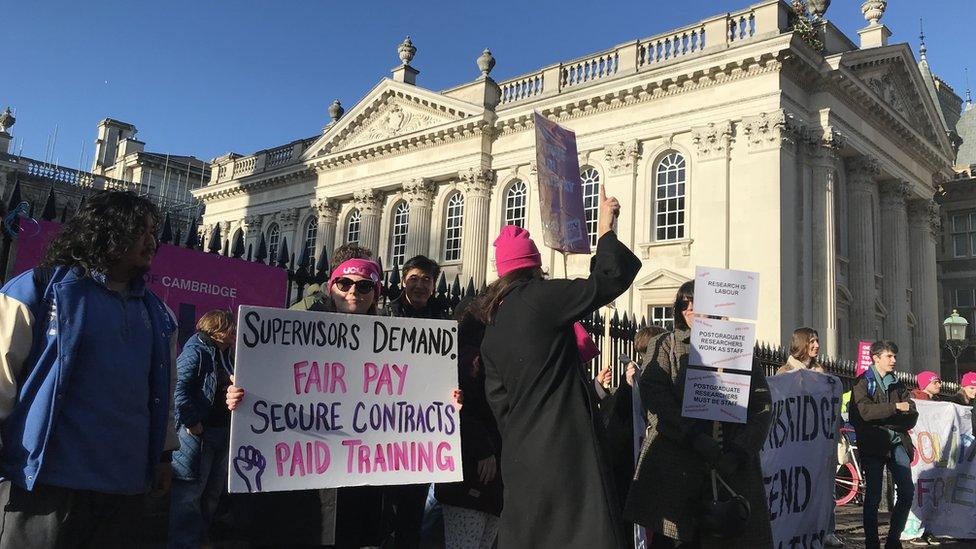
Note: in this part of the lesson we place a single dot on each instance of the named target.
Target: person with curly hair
(86, 365)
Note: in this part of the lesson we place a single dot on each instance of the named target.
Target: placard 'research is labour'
(726, 292)
(343, 400)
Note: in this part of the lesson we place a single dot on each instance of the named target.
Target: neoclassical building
(732, 142)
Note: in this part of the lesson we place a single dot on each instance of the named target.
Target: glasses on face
(362, 286)
(939, 381)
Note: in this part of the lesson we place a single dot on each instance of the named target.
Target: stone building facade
(732, 142)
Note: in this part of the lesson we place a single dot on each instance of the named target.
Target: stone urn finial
(873, 10)
(486, 62)
(336, 111)
(817, 8)
(406, 50)
(7, 120)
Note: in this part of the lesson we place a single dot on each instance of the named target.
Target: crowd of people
(99, 408)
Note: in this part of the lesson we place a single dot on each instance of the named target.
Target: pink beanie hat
(926, 377)
(969, 378)
(514, 249)
(362, 267)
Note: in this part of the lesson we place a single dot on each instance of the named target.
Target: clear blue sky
(206, 77)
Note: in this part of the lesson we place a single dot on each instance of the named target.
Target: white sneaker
(833, 541)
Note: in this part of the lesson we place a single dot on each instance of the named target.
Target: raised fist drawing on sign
(249, 465)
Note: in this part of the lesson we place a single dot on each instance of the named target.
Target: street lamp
(955, 332)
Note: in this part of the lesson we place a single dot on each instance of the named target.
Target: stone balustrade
(724, 31)
(234, 166)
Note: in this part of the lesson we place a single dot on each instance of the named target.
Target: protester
(803, 352)
(471, 508)
(204, 371)
(674, 471)
(804, 349)
(967, 394)
(882, 413)
(618, 416)
(552, 461)
(352, 516)
(85, 378)
(419, 274)
(929, 386)
(314, 298)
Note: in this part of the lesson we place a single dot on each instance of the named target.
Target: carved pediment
(661, 278)
(894, 80)
(391, 110)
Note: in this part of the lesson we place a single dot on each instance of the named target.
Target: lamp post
(955, 332)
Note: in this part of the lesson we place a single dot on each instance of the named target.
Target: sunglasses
(362, 286)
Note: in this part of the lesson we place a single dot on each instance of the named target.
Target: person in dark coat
(967, 394)
(882, 412)
(471, 507)
(673, 475)
(558, 488)
(419, 274)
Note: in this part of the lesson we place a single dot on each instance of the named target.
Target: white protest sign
(722, 344)
(944, 472)
(799, 456)
(715, 396)
(726, 292)
(343, 400)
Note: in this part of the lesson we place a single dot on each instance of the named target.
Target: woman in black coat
(558, 488)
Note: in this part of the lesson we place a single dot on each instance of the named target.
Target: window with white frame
(590, 179)
(453, 222)
(274, 237)
(311, 232)
(515, 202)
(398, 233)
(962, 228)
(669, 197)
(352, 227)
(663, 316)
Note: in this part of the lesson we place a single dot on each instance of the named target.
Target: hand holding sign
(609, 210)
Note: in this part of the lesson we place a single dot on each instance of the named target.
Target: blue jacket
(40, 330)
(196, 387)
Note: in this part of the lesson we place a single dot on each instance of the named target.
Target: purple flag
(560, 189)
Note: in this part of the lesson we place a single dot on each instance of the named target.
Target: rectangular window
(963, 234)
(663, 316)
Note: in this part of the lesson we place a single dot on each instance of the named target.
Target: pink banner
(863, 357)
(190, 282)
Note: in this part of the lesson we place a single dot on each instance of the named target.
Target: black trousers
(408, 513)
(54, 517)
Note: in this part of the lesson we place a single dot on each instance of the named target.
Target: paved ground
(850, 531)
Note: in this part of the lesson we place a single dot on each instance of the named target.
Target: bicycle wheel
(847, 481)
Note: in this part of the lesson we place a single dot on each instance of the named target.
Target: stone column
(420, 196)
(327, 210)
(476, 183)
(252, 233)
(369, 204)
(288, 221)
(894, 261)
(923, 223)
(861, 172)
(824, 245)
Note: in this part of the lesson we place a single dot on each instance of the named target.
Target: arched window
(311, 231)
(352, 227)
(274, 237)
(591, 200)
(515, 200)
(398, 233)
(452, 227)
(669, 197)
